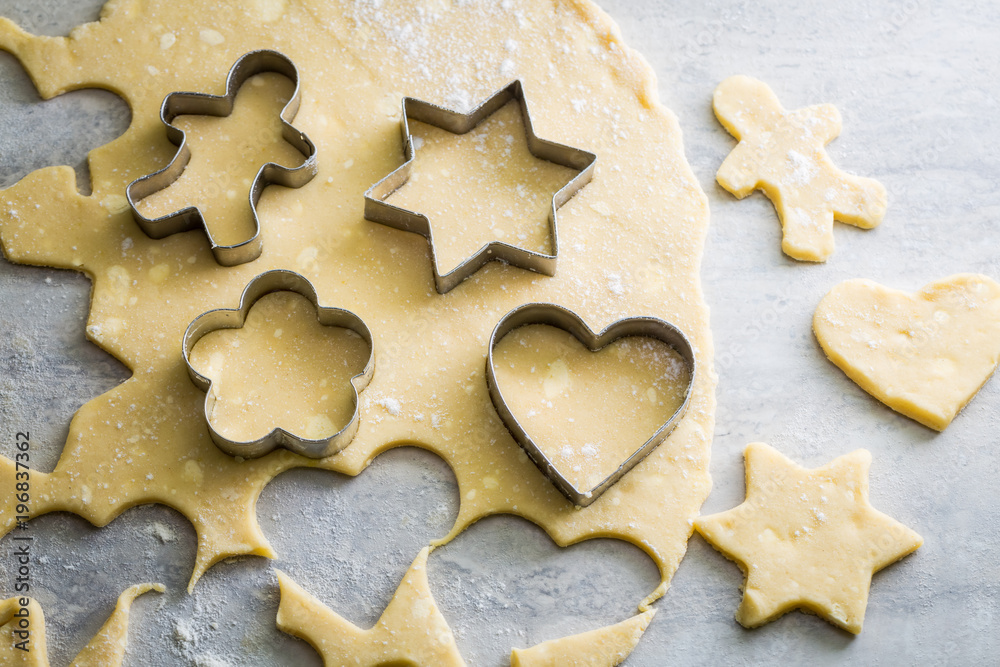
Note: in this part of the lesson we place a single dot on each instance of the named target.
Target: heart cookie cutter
(266, 283)
(203, 104)
(562, 318)
(378, 210)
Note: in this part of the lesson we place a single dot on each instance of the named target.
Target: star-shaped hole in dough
(807, 539)
(457, 163)
(23, 640)
(411, 630)
(782, 153)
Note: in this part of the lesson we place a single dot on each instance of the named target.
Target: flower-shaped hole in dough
(280, 370)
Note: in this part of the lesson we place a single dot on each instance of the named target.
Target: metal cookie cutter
(377, 210)
(278, 281)
(561, 318)
(202, 104)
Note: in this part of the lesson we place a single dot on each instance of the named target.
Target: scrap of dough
(603, 647)
(106, 649)
(806, 538)
(411, 630)
(146, 441)
(782, 153)
(38, 656)
(925, 354)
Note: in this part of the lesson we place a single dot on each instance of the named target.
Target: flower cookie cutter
(378, 210)
(278, 281)
(203, 104)
(567, 320)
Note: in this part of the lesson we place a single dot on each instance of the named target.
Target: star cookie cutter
(278, 281)
(203, 104)
(567, 320)
(378, 210)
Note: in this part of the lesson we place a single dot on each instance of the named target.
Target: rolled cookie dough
(146, 441)
(411, 630)
(106, 649)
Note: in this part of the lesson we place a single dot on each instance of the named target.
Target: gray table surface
(917, 84)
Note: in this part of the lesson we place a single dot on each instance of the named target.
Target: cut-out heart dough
(588, 411)
(782, 153)
(924, 355)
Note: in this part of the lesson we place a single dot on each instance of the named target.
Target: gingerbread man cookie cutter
(279, 281)
(562, 318)
(203, 104)
(380, 211)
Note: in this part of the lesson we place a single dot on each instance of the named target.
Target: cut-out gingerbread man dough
(925, 354)
(603, 647)
(782, 153)
(411, 630)
(106, 649)
(806, 538)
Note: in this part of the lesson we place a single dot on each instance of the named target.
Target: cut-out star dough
(411, 630)
(782, 153)
(106, 649)
(925, 354)
(603, 647)
(806, 538)
(145, 440)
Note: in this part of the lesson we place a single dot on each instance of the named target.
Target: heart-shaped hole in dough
(587, 407)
